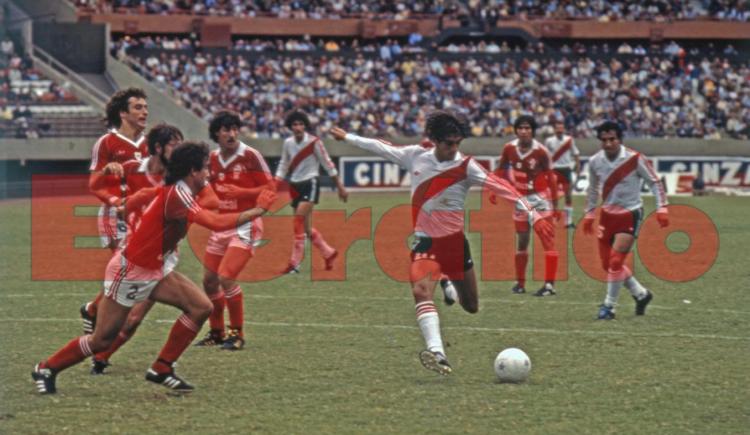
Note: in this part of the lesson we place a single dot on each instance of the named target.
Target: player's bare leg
(178, 291)
(235, 259)
(111, 318)
(424, 275)
(212, 288)
(100, 361)
(468, 295)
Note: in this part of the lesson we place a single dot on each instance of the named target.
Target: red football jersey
(114, 147)
(137, 177)
(164, 223)
(246, 169)
(527, 170)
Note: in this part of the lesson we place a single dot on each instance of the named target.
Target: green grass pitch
(341, 356)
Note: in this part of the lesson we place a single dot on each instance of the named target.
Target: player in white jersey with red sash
(565, 162)
(616, 174)
(127, 113)
(238, 175)
(144, 269)
(301, 156)
(526, 163)
(440, 180)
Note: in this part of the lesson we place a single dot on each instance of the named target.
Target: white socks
(429, 324)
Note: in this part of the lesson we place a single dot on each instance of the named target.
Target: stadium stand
(478, 11)
(33, 106)
(667, 94)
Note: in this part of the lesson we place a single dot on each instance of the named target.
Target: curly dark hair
(162, 134)
(119, 103)
(609, 126)
(225, 118)
(525, 119)
(186, 157)
(442, 124)
(297, 115)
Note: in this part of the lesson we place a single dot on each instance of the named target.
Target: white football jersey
(301, 160)
(619, 181)
(563, 150)
(438, 189)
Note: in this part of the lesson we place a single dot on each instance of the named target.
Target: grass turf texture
(341, 357)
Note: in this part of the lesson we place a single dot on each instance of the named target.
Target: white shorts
(127, 283)
(247, 236)
(522, 219)
(112, 229)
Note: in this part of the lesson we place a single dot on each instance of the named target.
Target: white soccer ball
(512, 365)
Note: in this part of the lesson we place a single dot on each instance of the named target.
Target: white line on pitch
(512, 300)
(453, 328)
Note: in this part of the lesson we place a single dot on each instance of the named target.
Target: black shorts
(452, 253)
(305, 191)
(627, 221)
(564, 176)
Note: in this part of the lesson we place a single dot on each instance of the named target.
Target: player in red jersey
(526, 163)
(142, 179)
(301, 156)
(144, 269)
(126, 115)
(238, 173)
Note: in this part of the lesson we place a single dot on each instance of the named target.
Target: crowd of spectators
(479, 11)
(22, 86)
(653, 96)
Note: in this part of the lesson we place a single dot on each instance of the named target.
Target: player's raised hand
(266, 199)
(588, 225)
(662, 217)
(338, 133)
(113, 168)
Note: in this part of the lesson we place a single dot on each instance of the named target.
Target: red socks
(216, 319)
(121, 339)
(182, 334)
(521, 259)
(550, 266)
(71, 354)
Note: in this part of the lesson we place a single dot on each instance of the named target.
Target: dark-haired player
(616, 173)
(440, 180)
(144, 269)
(238, 174)
(526, 163)
(142, 178)
(301, 156)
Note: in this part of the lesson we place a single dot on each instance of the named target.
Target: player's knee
(421, 291)
(211, 284)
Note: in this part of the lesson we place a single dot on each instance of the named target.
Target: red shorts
(452, 253)
(625, 221)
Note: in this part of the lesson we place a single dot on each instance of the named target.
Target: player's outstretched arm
(398, 155)
(220, 222)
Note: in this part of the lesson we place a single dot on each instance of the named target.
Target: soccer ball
(512, 365)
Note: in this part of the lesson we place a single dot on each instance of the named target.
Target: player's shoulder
(597, 157)
(629, 152)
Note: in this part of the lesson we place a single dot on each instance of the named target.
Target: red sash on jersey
(619, 174)
(435, 185)
(562, 150)
(302, 155)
